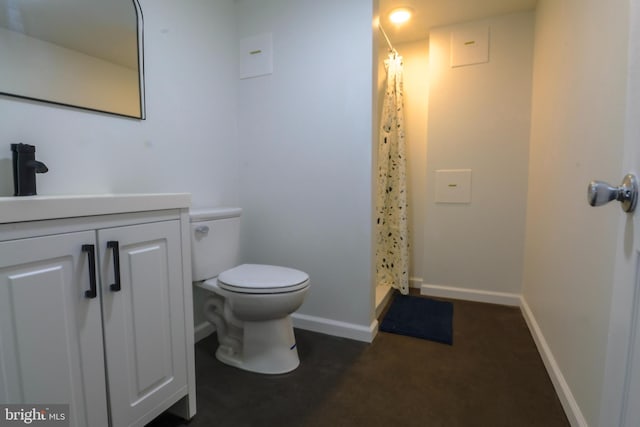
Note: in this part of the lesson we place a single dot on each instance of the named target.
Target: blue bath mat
(421, 318)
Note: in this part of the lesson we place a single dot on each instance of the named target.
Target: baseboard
(380, 305)
(571, 408)
(203, 330)
(335, 327)
(415, 282)
(502, 298)
(311, 323)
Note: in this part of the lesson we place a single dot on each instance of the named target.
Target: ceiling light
(400, 16)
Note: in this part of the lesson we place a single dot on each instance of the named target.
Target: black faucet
(25, 168)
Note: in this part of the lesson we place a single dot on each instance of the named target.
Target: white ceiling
(428, 14)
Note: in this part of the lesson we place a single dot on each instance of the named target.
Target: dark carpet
(418, 317)
(491, 376)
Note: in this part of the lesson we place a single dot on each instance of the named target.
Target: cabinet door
(143, 321)
(51, 349)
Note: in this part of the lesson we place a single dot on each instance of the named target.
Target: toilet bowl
(249, 304)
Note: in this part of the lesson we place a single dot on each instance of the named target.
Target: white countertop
(34, 208)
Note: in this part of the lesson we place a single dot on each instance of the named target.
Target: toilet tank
(215, 239)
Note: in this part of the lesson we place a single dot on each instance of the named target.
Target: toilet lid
(262, 279)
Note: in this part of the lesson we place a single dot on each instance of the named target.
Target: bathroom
(295, 151)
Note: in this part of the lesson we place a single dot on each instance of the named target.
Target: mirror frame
(140, 40)
(141, 88)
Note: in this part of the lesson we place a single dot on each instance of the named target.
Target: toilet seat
(262, 279)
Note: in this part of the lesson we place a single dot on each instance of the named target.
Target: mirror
(79, 53)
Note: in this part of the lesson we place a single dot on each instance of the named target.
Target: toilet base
(269, 347)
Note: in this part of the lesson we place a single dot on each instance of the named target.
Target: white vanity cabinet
(95, 312)
(51, 348)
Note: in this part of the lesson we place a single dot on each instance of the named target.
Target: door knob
(600, 193)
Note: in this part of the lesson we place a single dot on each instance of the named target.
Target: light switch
(453, 186)
(256, 56)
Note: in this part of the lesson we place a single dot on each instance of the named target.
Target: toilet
(249, 304)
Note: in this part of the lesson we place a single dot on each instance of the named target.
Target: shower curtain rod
(391, 48)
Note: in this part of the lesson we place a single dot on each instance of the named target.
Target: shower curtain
(392, 246)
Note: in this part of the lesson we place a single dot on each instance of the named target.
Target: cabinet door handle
(91, 254)
(113, 244)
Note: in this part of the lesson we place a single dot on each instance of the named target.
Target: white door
(621, 391)
(143, 319)
(50, 331)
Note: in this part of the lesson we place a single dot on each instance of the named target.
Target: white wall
(306, 142)
(189, 140)
(305, 134)
(479, 118)
(577, 134)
